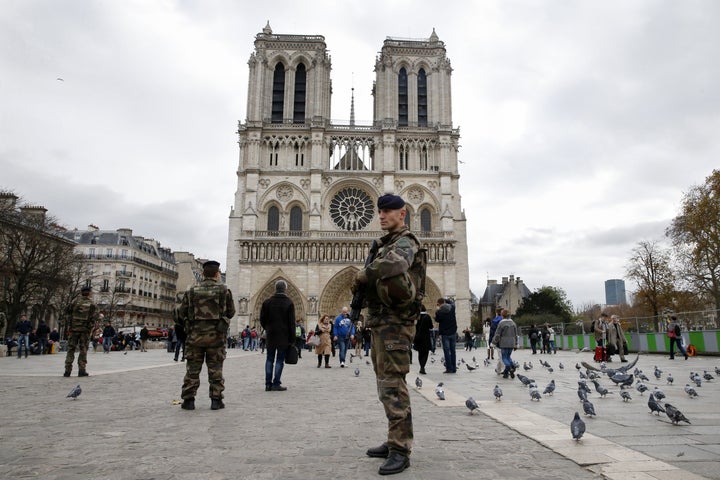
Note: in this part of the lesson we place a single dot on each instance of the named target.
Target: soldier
(206, 310)
(390, 292)
(82, 315)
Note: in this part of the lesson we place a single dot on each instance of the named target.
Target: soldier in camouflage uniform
(206, 310)
(390, 295)
(82, 315)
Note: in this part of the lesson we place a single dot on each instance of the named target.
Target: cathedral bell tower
(305, 205)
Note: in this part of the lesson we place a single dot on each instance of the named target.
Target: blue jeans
(43, 345)
(343, 345)
(673, 341)
(448, 344)
(505, 355)
(277, 356)
(23, 340)
(245, 342)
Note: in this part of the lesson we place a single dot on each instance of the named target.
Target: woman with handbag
(322, 331)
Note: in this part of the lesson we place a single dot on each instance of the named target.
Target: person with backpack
(245, 336)
(206, 310)
(82, 315)
(421, 342)
(674, 333)
(534, 335)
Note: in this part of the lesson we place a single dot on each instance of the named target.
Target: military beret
(390, 202)
(86, 289)
(211, 263)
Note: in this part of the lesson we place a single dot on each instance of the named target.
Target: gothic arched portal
(267, 291)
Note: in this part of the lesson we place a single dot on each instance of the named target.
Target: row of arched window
(278, 94)
(422, 98)
(296, 219)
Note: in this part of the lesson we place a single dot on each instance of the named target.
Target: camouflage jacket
(389, 289)
(82, 315)
(207, 307)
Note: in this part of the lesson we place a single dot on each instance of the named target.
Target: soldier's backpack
(206, 303)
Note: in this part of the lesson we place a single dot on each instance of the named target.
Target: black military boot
(83, 373)
(378, 452)
(395, 463)
(67, 373)
(216, 404)
(188, 404)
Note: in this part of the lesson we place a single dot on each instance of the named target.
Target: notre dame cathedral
(305, 206)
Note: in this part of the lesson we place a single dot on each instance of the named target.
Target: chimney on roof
(8, 200)
(34, 213)
(504, 280)
(93, 228)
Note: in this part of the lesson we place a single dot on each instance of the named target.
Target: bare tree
(35, 263)
(695, 233)
(650, 267)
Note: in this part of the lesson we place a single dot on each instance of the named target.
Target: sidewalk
(125, 424)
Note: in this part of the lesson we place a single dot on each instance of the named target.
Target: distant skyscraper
(615, 292)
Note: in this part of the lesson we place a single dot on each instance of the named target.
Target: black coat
(277, 317)
(422, 341)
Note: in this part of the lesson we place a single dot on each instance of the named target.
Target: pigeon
(497, 392)
(462, 360)
(125, 353)
(440, 393)
(471, 404)
(75, 393)
(550, 369)
(675, 415)
(469, 367)
(717, 370)
(418, 382)
(698, 380)
(535, 394)
(659, 394)
(600, 389)
(357, 372)
(577, 427)
(577, 365)
(625, 396)
(643, 377)
(525, 380)
(440, 385)
(526, 367)
(690, 391)
(653, 405)
(367, 362)
(707, 376)
(583, 385)
(432, 360)
(474, 361)
(486, 362)
(351, 357)
(561, 366)
(588, 408)
(657, 372)
(583, 376)
(623, 379)
(582, 394)
(641, 387)
(670, 379)
(550, 388)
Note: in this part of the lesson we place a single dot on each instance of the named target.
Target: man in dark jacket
(277, 317)
(23, 328)
(42, 332)
(447, 327)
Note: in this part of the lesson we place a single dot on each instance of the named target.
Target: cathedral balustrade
(269, 234)
(342, 252)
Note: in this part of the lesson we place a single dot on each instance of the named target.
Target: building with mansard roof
(305, 206)
(133, 278)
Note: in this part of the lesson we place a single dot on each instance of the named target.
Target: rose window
(351, 209)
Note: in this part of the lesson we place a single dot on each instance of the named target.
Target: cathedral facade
(305, 206)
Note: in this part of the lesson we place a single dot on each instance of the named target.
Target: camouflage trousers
(209, 348)
(390, 356)
(77, 341)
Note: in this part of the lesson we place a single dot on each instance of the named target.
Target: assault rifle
(359, 297)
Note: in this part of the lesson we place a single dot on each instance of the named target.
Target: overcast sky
(582, 122)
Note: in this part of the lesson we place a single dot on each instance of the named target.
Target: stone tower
(305, 205)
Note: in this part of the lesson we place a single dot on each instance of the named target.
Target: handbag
(291, 355)
(314, 341)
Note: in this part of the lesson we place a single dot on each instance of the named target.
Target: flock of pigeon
(626, 378)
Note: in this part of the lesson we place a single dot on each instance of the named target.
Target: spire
(267, 30)
(352, 107)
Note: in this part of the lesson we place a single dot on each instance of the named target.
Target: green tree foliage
(545, 305)
(695, 233)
